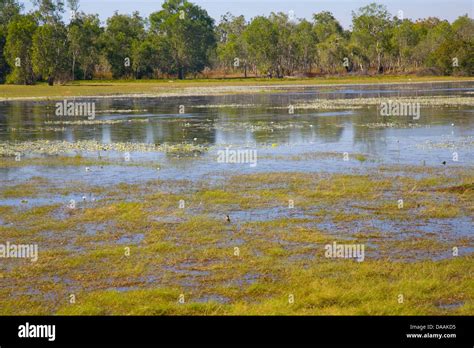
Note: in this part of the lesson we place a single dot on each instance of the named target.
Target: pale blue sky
(445, 9)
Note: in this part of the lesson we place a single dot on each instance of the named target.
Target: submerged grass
(135, 251)
(54, 148)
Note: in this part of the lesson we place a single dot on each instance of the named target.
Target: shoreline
(192, 88)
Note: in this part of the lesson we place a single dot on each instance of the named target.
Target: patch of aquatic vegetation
(461, 189)
(233, 106)
(29, 189)
(94, 122)
(120, 111)
(46, 147)
(424, 171)
(448, 143)
(260, 126)
(193, 251)
(77, 160)
(397, 125)
(320, 155)
(36, 129)
(219, 90)
(184, 149)
(357, 103)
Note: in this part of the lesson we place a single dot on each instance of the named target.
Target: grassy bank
(195, 87)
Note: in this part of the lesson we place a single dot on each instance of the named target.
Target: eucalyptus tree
(74, 34)
(431, 49)
(8, 10)
(261, 38)
(450, 48)
(330, 42)
(326, 25)
(151, 57)
(232, 49)
(462, 53)
(305, 45)
(371, 32)
(73, 7)
(19, 41)
(189, 32)
(120, 36)
(50, 53)
(333, 54)
(286, 43)
(49, 11)
(50, 48)
(404, 39)
(84, 34)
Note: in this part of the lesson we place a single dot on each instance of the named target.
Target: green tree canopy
(50, 52)
(84, 34)
(326, 25)
(122, 32)
(261, 37)
(20, 32)
(371, 32)
(189, 32)
(8, 10)
(181, 39)
(232, 50)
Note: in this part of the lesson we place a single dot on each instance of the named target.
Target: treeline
(182, 40)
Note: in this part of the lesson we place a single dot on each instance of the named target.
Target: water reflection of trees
(22, 121)
(241, 126)
(366, 139)
(246, 120)
(234, 124)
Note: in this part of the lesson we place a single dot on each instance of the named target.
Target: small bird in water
(444, 163)
(227, 218)
(88, 169)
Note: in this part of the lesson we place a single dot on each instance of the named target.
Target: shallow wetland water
(151, 199)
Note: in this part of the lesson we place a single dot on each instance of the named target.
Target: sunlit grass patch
(22, 190)
(194, 86)
(138, 302)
